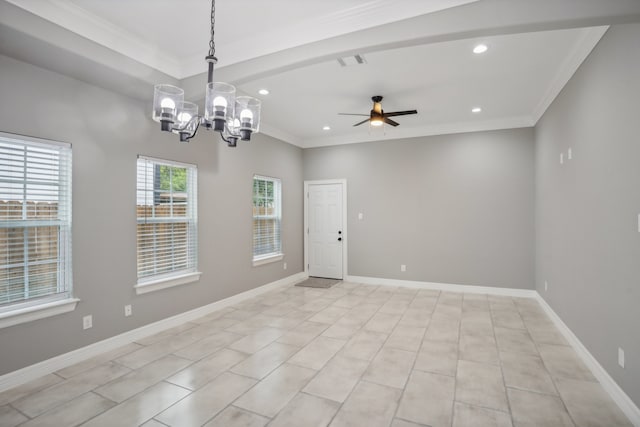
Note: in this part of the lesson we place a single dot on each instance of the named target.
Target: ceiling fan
(377, 116)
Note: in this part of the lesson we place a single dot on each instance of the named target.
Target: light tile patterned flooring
(352, 355)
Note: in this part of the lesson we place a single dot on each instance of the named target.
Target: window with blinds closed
(35, 221)
(267, 217)
(167, 219)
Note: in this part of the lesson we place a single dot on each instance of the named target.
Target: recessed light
(481, 48)
(326, 128)
(263, 92)
(476, 110)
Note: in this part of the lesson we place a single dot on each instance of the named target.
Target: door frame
(345, 234)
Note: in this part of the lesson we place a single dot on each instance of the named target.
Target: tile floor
(352, 355)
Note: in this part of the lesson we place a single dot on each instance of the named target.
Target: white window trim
(39, 311)
(267, 259)
(167, 282)
(273, 256)
(167, 162)
(30, 310)
(164, 281)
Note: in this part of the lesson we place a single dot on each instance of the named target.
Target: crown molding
(76, 19)
(580, 52)
(83, 23)
(418, 131)
(277, 133)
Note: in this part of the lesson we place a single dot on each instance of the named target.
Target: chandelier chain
(212, 43)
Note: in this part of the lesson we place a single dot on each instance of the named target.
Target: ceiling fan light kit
(377, 116)
(232, 117)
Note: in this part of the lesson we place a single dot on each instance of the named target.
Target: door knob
(339, 239)
(339, 232)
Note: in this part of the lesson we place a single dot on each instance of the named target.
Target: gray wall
(107, 132)
(453, 208)
(587, 240)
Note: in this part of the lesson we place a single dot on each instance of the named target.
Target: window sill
(267, 259)
(166, 282)
(40, 311)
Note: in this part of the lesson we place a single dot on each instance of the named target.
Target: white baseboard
(618, 395)
(472, 289)
(21, 376)
(29, 373)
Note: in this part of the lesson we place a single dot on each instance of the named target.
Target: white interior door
(325, 241)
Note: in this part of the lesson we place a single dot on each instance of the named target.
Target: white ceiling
(418, 55)
(512, 82)
(173, 36)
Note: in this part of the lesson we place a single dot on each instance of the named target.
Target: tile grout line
(380, 301)
(113, 361)
(369, 363)
(395, 413)
(504, 382)
(553, 380)
(20, 412)
(60, 383)
(455, 376)
(163, 380)
(318, 372)
(285, 361)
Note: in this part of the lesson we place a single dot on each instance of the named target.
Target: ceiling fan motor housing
(377, 107)
(377, 116)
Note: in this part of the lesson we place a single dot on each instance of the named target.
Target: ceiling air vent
(348, 61)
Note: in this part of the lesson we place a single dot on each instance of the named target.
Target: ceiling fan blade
(352, 114)
(400, 113)
(391, 122)
(361, 123)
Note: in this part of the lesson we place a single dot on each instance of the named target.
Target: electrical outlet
(546, 286)
(360, 216)
(87, 322)
(569, 154)
(284, 265)
(127, 310)
(403, 267)
(621, 357)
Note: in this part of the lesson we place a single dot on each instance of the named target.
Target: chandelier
(233, 117)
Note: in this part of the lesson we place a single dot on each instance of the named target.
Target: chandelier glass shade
(232, 117)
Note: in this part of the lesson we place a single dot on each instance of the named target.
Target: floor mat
(318, 282)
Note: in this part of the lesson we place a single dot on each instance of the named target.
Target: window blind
(167, 219)
(266, 217)
(35, 220)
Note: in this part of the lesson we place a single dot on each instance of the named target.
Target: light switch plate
(569, 154)
(360, 216)
(561, 158)
(621, 357)
(87, 322)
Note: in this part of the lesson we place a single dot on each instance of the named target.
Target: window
(35, 223)
(167, 224)
(267, 243)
